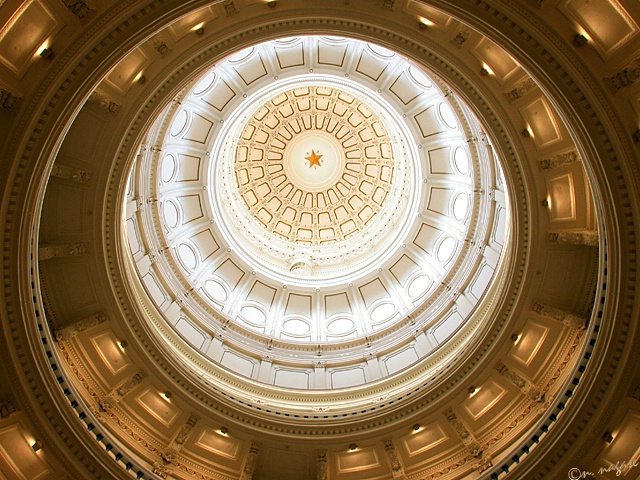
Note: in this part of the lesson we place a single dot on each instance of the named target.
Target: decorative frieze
(250, 461)
(635, 393)
(587, 238)
(47, 252)
(521, 89)
(113, 398)
(78, 7)
(260, 401)
(522, 383)
(461, 37)
(98, 413)
(567, 318)
(626, 76)
(469, 441)
(397, 470)
(229, 7)
(8, 99)
(161, 470)
(7, 408)
(559, 160)
(178, 442)
(69, 331)
(483, 464)
(160, 45)
(103, 101)
(321, 466)
(70, 173)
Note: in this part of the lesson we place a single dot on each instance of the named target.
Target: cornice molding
(594, 125)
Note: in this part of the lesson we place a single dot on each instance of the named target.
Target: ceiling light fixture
(46, 53)
(353, 447)
(486, 70)
(198, 29)
(139, 78)
(36, 445)
(427, 22)
(579, 40)
(424, 23)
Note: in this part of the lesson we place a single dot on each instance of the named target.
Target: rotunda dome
(317, 232)
(319, 176)
(317, 240)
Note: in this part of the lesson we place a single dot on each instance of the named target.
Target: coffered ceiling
(360, 240)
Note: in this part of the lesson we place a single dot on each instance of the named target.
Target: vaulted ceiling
(352, 239)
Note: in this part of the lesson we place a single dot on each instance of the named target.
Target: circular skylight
(321, 215)
(317, 178)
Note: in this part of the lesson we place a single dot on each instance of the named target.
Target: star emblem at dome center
(314, 159)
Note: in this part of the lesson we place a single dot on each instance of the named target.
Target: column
(321, 466)
(250, 462)
(112, 398)
(397, 470)
(465, 435)
(522, 383)
(171, 452)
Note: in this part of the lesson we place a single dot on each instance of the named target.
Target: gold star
(314, 159)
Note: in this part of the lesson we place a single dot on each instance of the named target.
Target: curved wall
(91, 381)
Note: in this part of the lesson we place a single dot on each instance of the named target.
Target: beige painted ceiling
(336, 307)
(489, 332)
